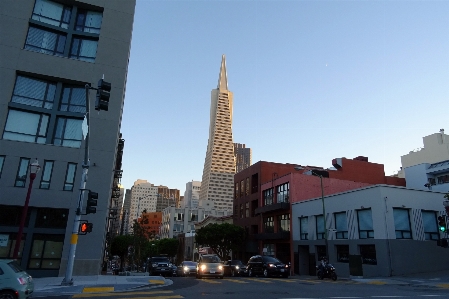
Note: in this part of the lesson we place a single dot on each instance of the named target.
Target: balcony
(273, 207)
(273, 236)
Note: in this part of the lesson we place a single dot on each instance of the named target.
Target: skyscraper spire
(223, 76)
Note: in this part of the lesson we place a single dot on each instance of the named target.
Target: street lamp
(34, 169)
(318, 173)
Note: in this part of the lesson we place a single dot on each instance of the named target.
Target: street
(274, 288)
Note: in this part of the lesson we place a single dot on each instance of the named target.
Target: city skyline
(329, 79)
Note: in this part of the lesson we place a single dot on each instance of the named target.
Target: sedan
(187, 268)
(15, 283)
(234, 268)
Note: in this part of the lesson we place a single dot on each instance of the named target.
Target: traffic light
(85, 227)
(103, 94)
(91, 202)
(442, 223)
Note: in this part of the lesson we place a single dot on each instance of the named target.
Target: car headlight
(220, 267)
(203, 267)
(154, 265)
(186, 268)
(286, 266)
(271, 265)
(237, 267)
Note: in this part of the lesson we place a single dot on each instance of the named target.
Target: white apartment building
(192, 195)
(143, 197)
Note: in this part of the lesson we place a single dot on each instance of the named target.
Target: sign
(4, 240)
(84, 127)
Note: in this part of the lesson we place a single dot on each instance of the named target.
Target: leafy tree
(168, 246)
(120, 246)
(222, 238)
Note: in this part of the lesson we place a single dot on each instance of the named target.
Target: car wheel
(250, 273)
(334, 276)
(265, 273)
(7, 295)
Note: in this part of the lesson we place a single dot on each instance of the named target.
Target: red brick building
(151, 222)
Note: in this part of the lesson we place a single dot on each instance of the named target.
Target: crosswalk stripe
(210, 281)
(98, 289)
(236, 280)
(119, 294)
(156, 297)
(259, 280)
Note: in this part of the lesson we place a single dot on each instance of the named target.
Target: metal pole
(68, 280)
(324, 217)
(23, 217)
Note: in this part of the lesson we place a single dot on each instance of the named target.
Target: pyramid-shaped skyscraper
(219, 165)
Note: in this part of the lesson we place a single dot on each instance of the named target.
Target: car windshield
(269, 259)
(189, 264)
(210, 259)
(15, 267)
(237, 262)
(159, 259)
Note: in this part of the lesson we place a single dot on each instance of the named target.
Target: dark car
(266, 266)
(234, 268)
(209, 265)
(187, 268)
(160, 265)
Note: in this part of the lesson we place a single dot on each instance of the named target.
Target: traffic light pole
(68, 280)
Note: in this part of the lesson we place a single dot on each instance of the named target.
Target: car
(266, 266)
(234, 268)
(209, 265)
(187, 268)
(160, 265)
(15, 283)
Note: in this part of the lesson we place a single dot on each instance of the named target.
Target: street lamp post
(34, 169)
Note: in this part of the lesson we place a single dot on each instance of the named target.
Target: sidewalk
(95, 284)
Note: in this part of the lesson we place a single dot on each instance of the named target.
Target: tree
(168, 246)
(222, 238)
(120, 245)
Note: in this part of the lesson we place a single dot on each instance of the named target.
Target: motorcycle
(327, 271)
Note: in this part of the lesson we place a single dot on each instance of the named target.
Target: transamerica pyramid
(219, 165)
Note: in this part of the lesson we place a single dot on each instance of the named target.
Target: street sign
(84, 127)
(4, 240)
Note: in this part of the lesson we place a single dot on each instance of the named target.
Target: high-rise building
(143, 199)
(124, 215)
(219, 166)
(192, 195)
(166, 197)
(49, 51)
(243, 157)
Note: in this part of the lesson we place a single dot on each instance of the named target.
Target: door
(355, 265)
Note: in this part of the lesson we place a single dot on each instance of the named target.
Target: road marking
(210, 281)
(377, 282)
(156, 281)
(119, 294)
(236, 280)
(156, 297)
(443, 285)
(311, 281)
(259, 280)
(389, 296)
(98, 290)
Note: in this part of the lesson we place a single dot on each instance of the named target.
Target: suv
(160, 265)
(266, 266)
(209, 265)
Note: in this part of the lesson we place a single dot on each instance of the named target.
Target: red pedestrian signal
(85, 227)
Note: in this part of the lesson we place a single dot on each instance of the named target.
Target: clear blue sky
(312, 81)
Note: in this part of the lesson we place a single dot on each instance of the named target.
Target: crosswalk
(158, 294)
(275, 280)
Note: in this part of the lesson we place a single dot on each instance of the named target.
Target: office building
(243, 156)
(192, 195)
(143, 199)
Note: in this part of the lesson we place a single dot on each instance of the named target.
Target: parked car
(160, 265)
(209, 265)
(187, 268)
(15, 283)
(266, 266)
(234, 268)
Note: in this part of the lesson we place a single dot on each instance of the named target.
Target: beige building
(219, 166)
(143, 197)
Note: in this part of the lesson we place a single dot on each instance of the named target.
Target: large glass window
(343, 253)
(284, 223)
(73, 99)
(429, 219)
(34, 92)
(268, 224)
(51, 218)
(52, 13)
(320, 227)
(45, 41)
(268, 197)
(70, 177)
(68, 132)
(282, 193)
(22, 172)
(247, 209)
(46, 175)
(368, 253)
(237, 193)
(46, 251)
(2, 161)
(247, 187)
(366, 230)
(83, 49)
(402, 223)
(304, 228)
(25, 126)
(242, 188)
(269, 249)
(7, 252)
(341, 226)
(88, 21)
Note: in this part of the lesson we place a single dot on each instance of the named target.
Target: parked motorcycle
(327, 271)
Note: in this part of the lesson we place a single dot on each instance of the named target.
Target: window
(320, 228)
(247, 187)
(25, 126)
(52, 13)
(46, 251)
(429, 219)
(269, 249)
(303, 228)
(34, 92)
(247, 209)
(368, 253)
(341, 226)
(282, 193)
(242, 188)
(46, 175)
(2, 161)
(365, 218)
(402, 223)
(443, 179)
(21, 176)
(68, 132)
(73, 99)
(88, 21)
(8, 250)
(343, 253)
(268, 224)
(83, 49)
(268, 197)
(51, 218)
(45, 41)
(237, 194)
(284, 223)
(242, 213)
(70, 177)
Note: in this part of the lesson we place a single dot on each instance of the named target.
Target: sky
(312, 81)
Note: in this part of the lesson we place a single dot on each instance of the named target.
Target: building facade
(52, 50)
(124, 215)
(192, 195)
(219, 165)
(143, 199)
(151, 223)
(166, 197)
(243, 157)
